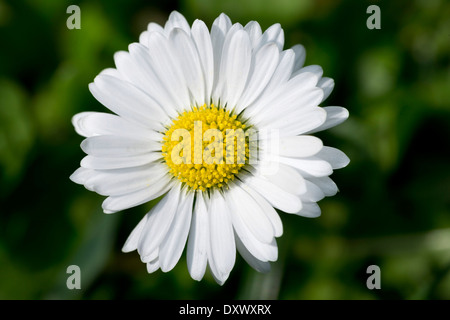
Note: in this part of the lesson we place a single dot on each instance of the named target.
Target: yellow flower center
(206, 147)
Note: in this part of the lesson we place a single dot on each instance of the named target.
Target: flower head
(219, 123)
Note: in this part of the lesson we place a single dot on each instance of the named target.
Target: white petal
(299, 92)
(286, 178)
(309, 210)
(152, 266)
(273, 34)
(172, 246)
(296, 146)
(309, 167)
(154, 255)
(198, 242)
(81, 175)
(154, 27)
(249, 213)
(296, 123)
(117, 182)
(327, 85)
(223, 248)
(159, 221)
(254, 32)
(143, 38)
(279, 78)
(177, 20)
(335, 157)
(202, 39)
(116, 146)
(328, 187)
(234, 67)
(219, 30)
(276, 196)
(258, 265)
(132, 240)
(117, 203)
(313, 193)
(314, 69)
(300, 56)
(106, 163)
(263, 65)
(190, 64)
(145, 76)
(166, 66)
(335, 116)
(111, 72)
(127, 101)
(263, 251)
(268, 210)
(89, 124)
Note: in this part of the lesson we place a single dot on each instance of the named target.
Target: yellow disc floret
(205, 147)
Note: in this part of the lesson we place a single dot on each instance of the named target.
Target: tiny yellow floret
(206, 147)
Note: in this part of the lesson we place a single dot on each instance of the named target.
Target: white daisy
(181, 83)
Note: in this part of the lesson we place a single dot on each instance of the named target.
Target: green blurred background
(393, 208)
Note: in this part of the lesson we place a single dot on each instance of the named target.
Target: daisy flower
(218, 124)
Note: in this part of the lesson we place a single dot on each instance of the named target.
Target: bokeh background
(393, 208)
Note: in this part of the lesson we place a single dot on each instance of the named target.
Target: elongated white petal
(327, 85)
(313, 193)
(177, 20)
(81, 175)
(273, 34)
(262, 250)
(117, 203)
(266, 208)
(149, 79)
(315, 69)
(172, 246)
(133, 239)
(219, 30)
(223, 246)
(286, 178)
(328, 187)
(254, 32)
(335, 116)
(279, 78)
(234, 67)
(300, 56)
(152, 256)
(295, 146)
(299, 122)
(309, 167)
(335, 157)
(127, 101)
(202, 39)
(159, 221)
(190, 64)
(250, 213)
(88, 124)
(309, 210)
(291, 104)
(276, 196)
(166, 67)
(198, 242)
(263, 65)
(106, 163)
(116, 146)
(299, 92)
(152, 266)
(258, 265)
(117, 182)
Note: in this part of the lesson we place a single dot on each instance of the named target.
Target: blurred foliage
(393, 209)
